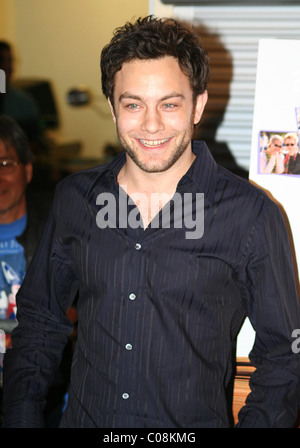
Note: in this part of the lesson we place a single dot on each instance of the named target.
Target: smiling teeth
(153, 143)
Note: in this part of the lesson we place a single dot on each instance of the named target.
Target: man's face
(13, 186)
(291, 144)
(155, 113)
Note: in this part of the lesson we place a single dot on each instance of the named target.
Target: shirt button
(137, 246)
(128, 347)
(132, 296)
(125, 396)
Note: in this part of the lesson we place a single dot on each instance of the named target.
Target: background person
(292, 158)
(23, 214)
(16, 103)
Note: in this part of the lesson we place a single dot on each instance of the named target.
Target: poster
(275, 158)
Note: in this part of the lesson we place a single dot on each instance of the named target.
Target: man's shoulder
(236, 181)
(244, 192)
(85, 178)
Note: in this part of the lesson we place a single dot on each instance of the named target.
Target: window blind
(230, 2)
(231, 35)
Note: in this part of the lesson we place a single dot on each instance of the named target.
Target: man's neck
(138, 180)
(151, 191)
(12, 215)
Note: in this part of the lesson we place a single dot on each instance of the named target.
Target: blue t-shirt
(12, 266)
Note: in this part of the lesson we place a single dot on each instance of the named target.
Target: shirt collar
(202, 172)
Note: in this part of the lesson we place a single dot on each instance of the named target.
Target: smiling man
(158, 313)
(155, 115)
(15, 175)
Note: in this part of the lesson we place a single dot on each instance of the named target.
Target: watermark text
(2, 81)
(296, 343)
(179, 211)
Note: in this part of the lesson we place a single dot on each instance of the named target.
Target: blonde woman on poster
(272, 159)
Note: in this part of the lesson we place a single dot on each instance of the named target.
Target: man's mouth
(153, 143)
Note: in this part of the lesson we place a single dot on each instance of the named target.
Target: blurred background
(56, 47)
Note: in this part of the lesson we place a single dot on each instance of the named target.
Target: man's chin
(152, 164)
(13, 211)
(152, 167)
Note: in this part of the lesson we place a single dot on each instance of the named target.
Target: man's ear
(28, 171)
(112, 110)
(201, 101)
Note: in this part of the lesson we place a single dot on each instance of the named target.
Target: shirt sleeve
(272, 304)
(39, 339)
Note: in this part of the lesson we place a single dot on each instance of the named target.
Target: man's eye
(169, 106)
(132, 106)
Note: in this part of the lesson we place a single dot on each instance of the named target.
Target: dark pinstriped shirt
(158, 312)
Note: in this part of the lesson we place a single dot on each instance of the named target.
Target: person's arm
(266, 167)
(279, 163)
(43, 327)
(272, 305)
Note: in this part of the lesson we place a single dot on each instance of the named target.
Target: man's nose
(152, 121)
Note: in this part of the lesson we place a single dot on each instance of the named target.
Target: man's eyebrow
(128, 95)
(173, 95)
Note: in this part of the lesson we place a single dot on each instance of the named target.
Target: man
(292, 158)
(160, 301)
(15, 175)
(23, 214)
(16, 103)
(23, 211)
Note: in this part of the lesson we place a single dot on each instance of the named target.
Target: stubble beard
(158, 166)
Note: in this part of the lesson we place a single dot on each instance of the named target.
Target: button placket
(132, 296)
(129, 346)
(125, 395)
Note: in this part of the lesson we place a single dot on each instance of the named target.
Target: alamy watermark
(296, 343)
(2, 81)
(181, 211)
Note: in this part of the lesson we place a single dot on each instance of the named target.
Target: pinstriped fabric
(159, 313)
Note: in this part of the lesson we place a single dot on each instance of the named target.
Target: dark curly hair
(153, 38)
(11, 134)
